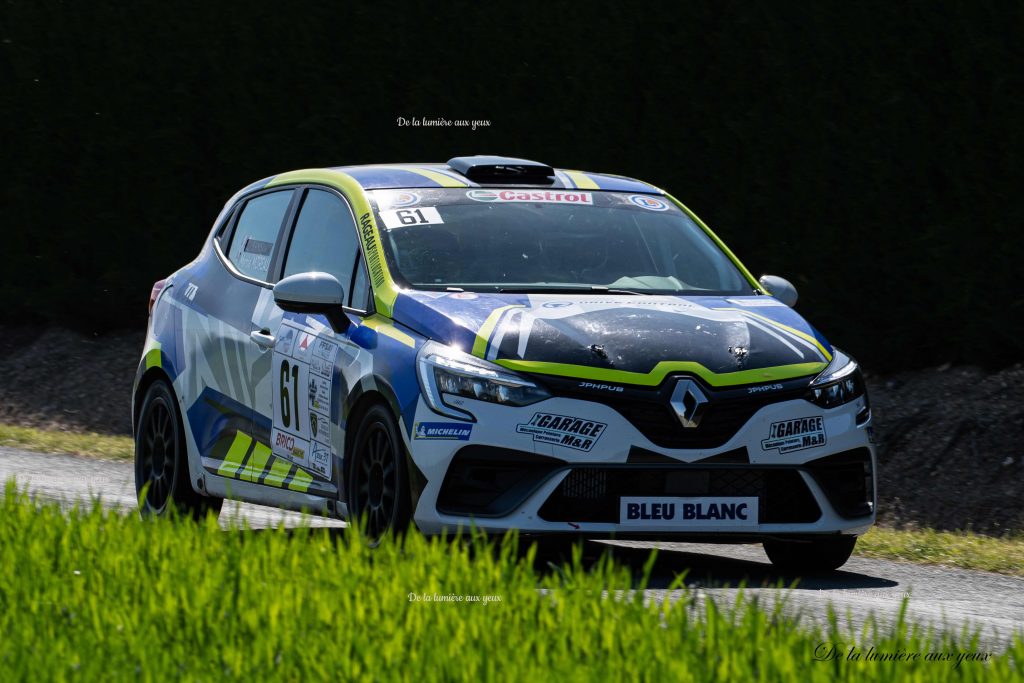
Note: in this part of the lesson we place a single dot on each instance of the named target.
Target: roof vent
(491, 169)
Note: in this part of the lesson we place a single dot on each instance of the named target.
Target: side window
(324, 239)
(253, 243)
(360, 289)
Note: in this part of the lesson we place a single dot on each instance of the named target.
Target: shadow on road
(702, 569)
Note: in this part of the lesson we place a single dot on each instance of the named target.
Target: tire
(378, 485)
(824, 555)
(161, 460)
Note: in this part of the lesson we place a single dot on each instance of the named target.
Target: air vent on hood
(492, 169)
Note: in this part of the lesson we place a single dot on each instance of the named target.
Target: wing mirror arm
(313, 292)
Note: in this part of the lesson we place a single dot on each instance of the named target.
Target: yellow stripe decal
(236, 454)
(153, 359)
(582, 180)
(787, 328)
(257, 462)
(445, 181)
(385, 290)
(721, 245)
(480, 343)
(278, 472)
(301, 481)
(382, 325)
(663, 369)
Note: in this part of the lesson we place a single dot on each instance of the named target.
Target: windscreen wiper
(589, 289)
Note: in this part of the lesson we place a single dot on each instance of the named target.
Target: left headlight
(448, 372)
(839, 383)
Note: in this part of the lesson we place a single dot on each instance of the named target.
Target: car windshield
(530, 240)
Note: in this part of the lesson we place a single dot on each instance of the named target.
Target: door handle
(263, 338)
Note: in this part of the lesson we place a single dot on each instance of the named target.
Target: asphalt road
(941, 598)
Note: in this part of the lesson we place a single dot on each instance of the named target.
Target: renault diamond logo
(689, 402)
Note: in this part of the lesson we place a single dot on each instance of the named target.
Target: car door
(299, 403)
(224, 364)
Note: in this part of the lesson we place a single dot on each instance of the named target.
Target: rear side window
(256, 233)
(324, 239)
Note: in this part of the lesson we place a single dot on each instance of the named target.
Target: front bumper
(503, 476)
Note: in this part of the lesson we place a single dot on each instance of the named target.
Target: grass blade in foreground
(89, 595)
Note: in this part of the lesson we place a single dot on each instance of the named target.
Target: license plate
(703, 511)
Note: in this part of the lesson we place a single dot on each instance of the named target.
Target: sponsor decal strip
(385, 291)
(661, 370)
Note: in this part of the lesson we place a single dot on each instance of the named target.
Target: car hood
(632, 339)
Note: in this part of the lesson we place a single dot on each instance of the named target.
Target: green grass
(94, 595)
(965, 550)
(78, 443)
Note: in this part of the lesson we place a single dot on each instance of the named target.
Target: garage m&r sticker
(563, 430)
(795, 435)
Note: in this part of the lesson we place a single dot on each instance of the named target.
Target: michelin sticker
(795, 435)
(442, 431)
(563, 430)
(302, 374)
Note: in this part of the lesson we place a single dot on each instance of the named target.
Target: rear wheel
(823, 555)
(161, 460)
(378, 488)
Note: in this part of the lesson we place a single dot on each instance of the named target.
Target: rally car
(498, 343)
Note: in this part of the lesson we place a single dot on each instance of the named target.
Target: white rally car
(499, 343)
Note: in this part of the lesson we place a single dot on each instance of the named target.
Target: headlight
(445, 372)
(839, 383)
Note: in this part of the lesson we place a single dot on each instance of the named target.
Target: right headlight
(446, 373)
(839, 383)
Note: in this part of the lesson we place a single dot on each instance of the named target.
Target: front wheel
(161, 461)
(378, 488)
(822, 555)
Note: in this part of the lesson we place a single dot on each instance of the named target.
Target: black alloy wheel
(161, 460)
(378, 487)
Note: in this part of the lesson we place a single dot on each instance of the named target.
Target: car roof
(437, 175)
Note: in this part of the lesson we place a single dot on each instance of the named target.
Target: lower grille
(847, 480)
(591, 494)
(491, 482)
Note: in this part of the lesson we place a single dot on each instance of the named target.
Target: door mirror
(313, 292)
(781, 288)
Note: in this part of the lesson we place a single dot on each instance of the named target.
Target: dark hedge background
(870, 152)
